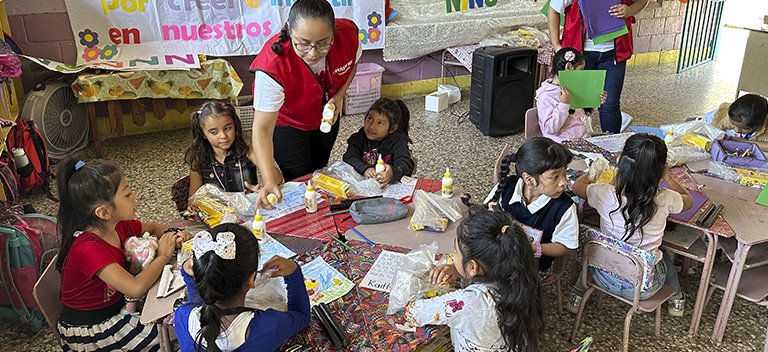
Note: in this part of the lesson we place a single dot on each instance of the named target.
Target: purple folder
(598, 20)
(698, 201)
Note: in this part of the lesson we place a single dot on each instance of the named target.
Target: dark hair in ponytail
(640, 169)
(220, 280)
(396, 112)
(508, 265)
(300, 10)
(559, 60)
(535, 156)
(200, 154)
(81, 191)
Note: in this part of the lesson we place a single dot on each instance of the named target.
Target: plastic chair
(532, 128)
(628, 266)
(180, 193)
(46, 293)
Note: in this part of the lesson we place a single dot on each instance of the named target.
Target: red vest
(574, 32)
(303, 104)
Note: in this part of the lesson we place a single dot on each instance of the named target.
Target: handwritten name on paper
(382, 271)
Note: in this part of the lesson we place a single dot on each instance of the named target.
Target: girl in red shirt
(96, 216)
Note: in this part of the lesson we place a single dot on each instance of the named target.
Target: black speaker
(502, 88)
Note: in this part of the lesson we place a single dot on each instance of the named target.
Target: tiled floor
(653, 96)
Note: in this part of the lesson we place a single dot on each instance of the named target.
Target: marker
(337, 212)
(340, 242)
(361, 236)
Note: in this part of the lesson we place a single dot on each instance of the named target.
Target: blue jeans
(663, 273)
(610, 111)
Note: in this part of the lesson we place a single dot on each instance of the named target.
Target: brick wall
(659, 26)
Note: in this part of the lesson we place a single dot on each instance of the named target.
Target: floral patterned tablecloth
(215, 79)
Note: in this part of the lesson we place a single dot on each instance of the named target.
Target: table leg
(701, 294)
(95, 129)
(731, 288)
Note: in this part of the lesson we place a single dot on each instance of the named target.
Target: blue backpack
(28, 243)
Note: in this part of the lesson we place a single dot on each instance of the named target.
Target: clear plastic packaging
(412, 280)
(697, 127)
(432, 212)
(267, 292)
(723, 171)
(678, 154)
(217, 207)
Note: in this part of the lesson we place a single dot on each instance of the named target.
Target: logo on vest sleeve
(343, 69)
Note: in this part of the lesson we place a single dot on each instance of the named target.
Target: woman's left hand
(336, 101)
(619, 11)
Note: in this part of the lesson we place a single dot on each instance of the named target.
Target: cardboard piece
(698, 200)
(598, 19)
(585, 86)
(762, 198)
(610, 36)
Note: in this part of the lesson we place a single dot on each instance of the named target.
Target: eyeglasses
(306, 48)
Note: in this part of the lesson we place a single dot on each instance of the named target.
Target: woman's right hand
(445, 273)
(167, 245)
(565, 95)
(370, 173)
(264, 189)
(279, 266)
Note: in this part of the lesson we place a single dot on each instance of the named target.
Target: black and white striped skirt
(118, 333)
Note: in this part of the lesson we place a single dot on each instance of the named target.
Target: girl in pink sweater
(556, 118)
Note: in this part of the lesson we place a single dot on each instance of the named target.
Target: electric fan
(61, 120)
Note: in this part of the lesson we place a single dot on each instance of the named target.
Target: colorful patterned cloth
(648, 258)
(362, 311)
(215, 79)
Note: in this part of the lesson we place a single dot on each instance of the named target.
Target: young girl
(385, 133)
(219, 154)
(556, 119)
(743, 120)
(501, 310)
(634, 209)
(535, 196)
(219, 275)
(96, 216)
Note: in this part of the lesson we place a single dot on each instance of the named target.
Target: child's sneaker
(676, 306)
(573, 303)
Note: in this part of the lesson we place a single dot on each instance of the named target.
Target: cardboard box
(738, 154)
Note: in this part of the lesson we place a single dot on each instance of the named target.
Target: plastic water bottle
(447, 189)
(669, 138)
(258, 226)
(328, 112)
(310, 198)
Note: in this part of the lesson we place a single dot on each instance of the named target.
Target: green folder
(610, 36)
(585, 86)
(763, 197)
(545, 12)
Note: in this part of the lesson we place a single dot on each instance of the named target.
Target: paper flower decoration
(363, 36)
(374, 19)
(90, 54)
(108, 52)
(374, 35)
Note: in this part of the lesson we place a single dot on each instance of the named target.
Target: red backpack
(26, 136)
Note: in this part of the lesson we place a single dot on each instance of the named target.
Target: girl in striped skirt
(96, 216)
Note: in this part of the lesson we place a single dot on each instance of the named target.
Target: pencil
(361, 236)
(337, 212)
(340, 242)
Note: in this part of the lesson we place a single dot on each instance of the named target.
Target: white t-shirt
(269, 96)
(589, 45)
(602, 197)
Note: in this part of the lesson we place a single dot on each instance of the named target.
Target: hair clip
(569, 56)
(504, 229)
(79, 165)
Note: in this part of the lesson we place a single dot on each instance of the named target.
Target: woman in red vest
(309, 64)
(610, 56)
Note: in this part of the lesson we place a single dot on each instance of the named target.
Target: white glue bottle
(447, 189)
(379, 165)
(310, 198)
(669, 138)
(328, 112)
(258, 226)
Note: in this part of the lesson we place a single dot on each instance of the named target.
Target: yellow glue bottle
(258, 226)
(272, 198)
(310, 198)
(669, 138)
(447, 189)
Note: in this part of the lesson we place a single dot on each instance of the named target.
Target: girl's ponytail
(66, 168)
(503, 175)
(277, 47)
(210, 322)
